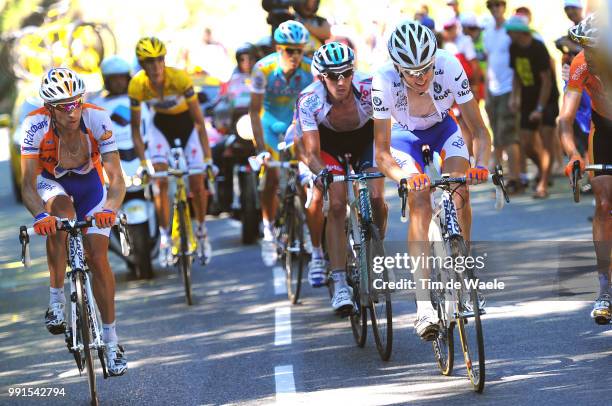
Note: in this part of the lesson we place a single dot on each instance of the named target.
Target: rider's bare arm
(482, 140)
(254, 113)
(116, 184)
(384, 159)
(312, 146)
(31, 199)
(198, 120)
(136, 136)
(571, 102)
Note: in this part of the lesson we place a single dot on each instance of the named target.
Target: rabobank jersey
(279, 93)
(40, 142)
(118, 108)
(449, 85)
(313, 105)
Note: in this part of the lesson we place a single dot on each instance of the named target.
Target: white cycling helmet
(334, 56)
(291, 32)
(412, 45)
(586, 32)
(115, 65)
(60, 84)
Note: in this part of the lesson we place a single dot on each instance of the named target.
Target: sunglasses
(418, 72)
(68, 107)
(498, 4)
(334, 77)
(292, 51)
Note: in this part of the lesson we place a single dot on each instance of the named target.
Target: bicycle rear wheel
(184, 259)
(381, 311)
(470, 331)
(83, 326)
(294, 250)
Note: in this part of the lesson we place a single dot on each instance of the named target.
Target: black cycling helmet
(248, 49)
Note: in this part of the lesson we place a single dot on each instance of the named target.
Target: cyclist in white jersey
(334, 117)
(417, 88)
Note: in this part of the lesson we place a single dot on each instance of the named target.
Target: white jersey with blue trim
(313, 105)
(449, 85)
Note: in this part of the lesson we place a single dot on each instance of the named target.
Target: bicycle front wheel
(444, 345)
(294, 250)
(381, 312)
(359, 316)
(184, 259)
(468, 321)
(84, 329)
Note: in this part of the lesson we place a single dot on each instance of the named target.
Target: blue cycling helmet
(291, 33)
(115, 65)
(334, 56)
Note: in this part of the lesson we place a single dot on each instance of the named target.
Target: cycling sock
(317, 253)
(267, 231)
(109, 333)
(201, 228)
(424, 306)
(164, 232)
(57, 295)
(604, 284)
(339, 277)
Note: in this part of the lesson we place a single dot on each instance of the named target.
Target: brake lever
(402, 191)
(575, 179)
(24, 239)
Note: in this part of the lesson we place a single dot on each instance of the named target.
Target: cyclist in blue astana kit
(276, 82)
(417, 88)
(334, 117)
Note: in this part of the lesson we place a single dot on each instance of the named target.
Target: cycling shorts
(444, 138)
(87, 192)
(271, 137)
(165, 129)
(359, 143)
(600, 141)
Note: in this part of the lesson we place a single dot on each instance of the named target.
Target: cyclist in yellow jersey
(176, 115)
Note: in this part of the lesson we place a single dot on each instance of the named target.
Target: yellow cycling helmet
(150, 47)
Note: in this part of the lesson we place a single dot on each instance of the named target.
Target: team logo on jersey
(402, 101)
(29, 133)
(465, 84)
(397, 84)
(443, 95)
(258, 82)
(439, 72)
(437, 87)
(376, 100)
(107, 133)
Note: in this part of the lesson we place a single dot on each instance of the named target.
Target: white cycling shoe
(602, 309)
(426, 324)
(116, 362)
(269, 253)
(165, 251)
(342, 301)
(55, 318)
(317, 273)
(204, 247)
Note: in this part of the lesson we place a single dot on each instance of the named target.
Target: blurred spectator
(423, 17)
(454, 6)
(499, 89)
(319, 27)
(210, 57)
(462, 47)
(535, 96)
(573, 10)
(473, 29)
(526, 12)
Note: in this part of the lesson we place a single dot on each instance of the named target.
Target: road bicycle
(460, 306)
(184, 243)
(364, 242)
(83, 336)
(289, 222)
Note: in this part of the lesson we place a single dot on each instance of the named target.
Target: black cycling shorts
(174, 126)
(600, 142)
(359, 143)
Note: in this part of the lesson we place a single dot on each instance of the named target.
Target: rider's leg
(199, 197)
(269, 202)
(315, 220)
(420, 212)
(335, 233)
(96, 247)
(60, 206)
(458, 166)
(379, 205)
(162, 204)
(602, 229)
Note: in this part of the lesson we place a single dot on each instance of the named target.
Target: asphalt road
(243, 343)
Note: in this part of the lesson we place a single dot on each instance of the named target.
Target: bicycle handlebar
(328, 178)
(501, 196)
(177, 173)
(577, 175)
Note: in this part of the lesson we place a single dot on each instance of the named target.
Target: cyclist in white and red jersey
(417, 88)
(65, 146)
